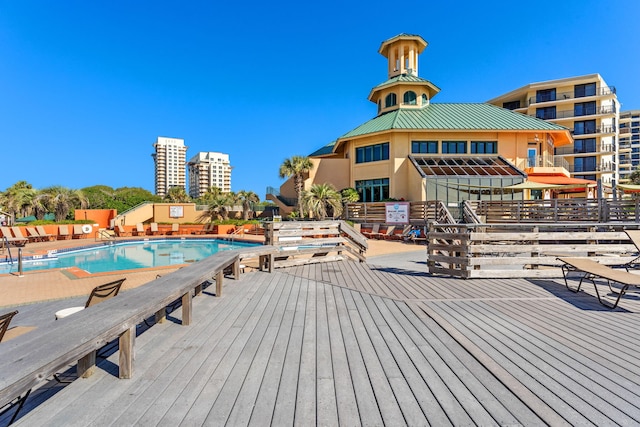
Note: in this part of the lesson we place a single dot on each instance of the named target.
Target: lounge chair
(63, 232)
(7, 333)
(41, 231)
(375, 232)
(139, 230)
(17, 232)
(175, 229)
(13, 240)
(33, 235)
(121, 232)
(77, 232)
(154, 229)
(594, 270)
(98, 294)
(388, 233)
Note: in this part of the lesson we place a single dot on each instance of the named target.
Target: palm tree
(296, 167)
(218, 205)
(247, 198)
(17, 198)
(322, 199)
(349, 195)
(62, 200)
(177, 194)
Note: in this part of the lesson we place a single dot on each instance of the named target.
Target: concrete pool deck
(48, 285)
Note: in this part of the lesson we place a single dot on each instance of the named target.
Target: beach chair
(41, 231)
(63, 232)
(33, 235)
(154, 229)
(592, 270)
(139, 230)
(98, 294)
(175, 229)
(388, 233)
(77, 232)
(375, 231)
(7, 333)
(11, 239)
(17, 232)
(121, 232)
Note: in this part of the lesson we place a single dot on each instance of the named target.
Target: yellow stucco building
(415, 149)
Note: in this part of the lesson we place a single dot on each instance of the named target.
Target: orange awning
(560, 180)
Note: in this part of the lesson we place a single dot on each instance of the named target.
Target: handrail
(5, 244)
(104, 235)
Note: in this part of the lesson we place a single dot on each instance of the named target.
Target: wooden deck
(345, 343)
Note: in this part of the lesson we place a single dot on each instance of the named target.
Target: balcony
(604, 109)
(563, 96)
(592, 131)
(544, 161)
(601, 149)
(604, 167)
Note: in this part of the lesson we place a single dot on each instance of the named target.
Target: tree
(62, 201)
(349, 195)
(322, 200)
(634, 178)
(247, 198)
(217, 205)
(177, 194)
(296, 167)
(17, 199)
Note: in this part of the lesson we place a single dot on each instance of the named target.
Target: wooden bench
(32, 358)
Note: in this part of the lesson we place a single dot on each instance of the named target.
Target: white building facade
(169, 158)
(209, 169)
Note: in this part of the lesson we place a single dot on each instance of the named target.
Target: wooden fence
(420, 213)
(520, 250)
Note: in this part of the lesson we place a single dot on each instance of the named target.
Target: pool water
(129, 255)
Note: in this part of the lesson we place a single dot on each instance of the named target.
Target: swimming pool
(128, 255)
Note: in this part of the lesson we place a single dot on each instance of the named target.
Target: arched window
(425, 100)
(390, 100)
(409, 98)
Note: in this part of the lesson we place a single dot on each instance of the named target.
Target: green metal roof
(327, 149)
(453, 117)
(403, 78)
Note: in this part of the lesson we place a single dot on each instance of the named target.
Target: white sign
(397, 212)
(176, 211)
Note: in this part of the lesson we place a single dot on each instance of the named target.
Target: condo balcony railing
(602, 167)
(589, 131)
(548, 97)
(602, 148)
(588, 111)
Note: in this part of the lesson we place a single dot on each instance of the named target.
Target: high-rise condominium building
(629, 143)
(209, 169)
(589, 108)
(169, 157)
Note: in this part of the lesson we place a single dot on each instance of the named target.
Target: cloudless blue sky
(86, 87)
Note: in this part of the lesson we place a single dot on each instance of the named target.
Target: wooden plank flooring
(350, 344)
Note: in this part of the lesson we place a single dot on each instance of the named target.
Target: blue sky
(86, 87)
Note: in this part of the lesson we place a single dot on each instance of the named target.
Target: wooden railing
(322, 240)
(521, 250)
(420, 213)
(556, 210)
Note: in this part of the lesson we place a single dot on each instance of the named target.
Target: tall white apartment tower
(629, 143)
(170, 158)
(209, 169)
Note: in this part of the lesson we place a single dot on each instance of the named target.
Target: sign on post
(397, 212)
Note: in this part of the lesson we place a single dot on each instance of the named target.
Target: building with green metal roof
(414, 149)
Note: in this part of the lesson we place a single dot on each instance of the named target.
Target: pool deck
(380, 343)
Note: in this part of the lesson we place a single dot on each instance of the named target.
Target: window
(424, 147)
(581, 91)
(373, 190)
(372, 153)
(546, 95)
(584, 127)
(409, 98)
(484, 147)
(546, 113)
(390, 100)
(587, 145)
(511, 105)
(454, 147)
(425, 99)
(584, 164)
(584, 108)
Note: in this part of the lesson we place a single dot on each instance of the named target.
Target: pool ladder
(5, 244)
